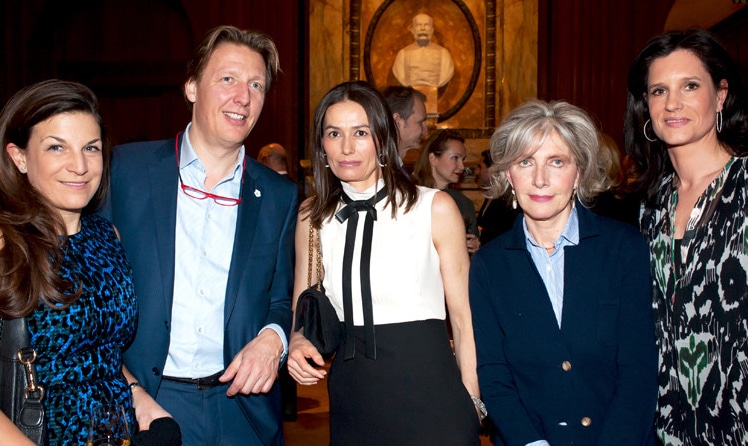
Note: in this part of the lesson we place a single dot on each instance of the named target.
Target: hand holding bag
(314, 312)
(20, 395)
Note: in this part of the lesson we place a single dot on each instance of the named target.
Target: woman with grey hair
(561, 303)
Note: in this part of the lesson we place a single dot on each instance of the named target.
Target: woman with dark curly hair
(686, 135)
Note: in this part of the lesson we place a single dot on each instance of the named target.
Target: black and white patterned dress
(701, 312)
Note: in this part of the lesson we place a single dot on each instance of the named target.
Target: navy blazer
(143, 207)
(594, 380)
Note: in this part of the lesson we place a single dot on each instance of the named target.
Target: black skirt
(411, 394)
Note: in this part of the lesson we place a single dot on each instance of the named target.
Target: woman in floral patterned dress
(686, 133)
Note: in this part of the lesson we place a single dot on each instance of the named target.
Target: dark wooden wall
(733, 33)
(585, 48)
(133, 54)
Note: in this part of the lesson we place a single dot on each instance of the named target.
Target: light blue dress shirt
(551, 269)
(204, 241)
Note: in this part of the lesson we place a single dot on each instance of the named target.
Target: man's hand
(255, 367)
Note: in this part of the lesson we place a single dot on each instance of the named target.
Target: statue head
(422, 29)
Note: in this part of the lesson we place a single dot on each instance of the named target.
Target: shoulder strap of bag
(314, 248)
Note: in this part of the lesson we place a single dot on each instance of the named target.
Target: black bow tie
(350, 213)
(355, 206)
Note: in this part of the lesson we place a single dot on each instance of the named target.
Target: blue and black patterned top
(80, 348)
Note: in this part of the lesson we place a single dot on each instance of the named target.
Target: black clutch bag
(314, 312)
(20, 395)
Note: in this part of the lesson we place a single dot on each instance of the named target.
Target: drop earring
(514, 200)
(574, 198)
(719, 121)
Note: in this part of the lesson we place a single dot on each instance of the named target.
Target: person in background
(408, 107)
(61, 266)
(441, 164)
(686, 136)
(209, 232)
(275, 157)
(496, 215)
(561, 303)
(616, 202)
(387, 270)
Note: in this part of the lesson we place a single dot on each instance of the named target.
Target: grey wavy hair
(528, 126)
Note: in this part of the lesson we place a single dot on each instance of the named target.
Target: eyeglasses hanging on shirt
(198, 194)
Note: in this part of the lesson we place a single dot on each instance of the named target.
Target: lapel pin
(257, 193)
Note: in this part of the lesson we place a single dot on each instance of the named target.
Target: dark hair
(650, 159)
(253, 40)
(31, 228)
(400, 99)
(436, 144)
(400, 190)
(486, 157)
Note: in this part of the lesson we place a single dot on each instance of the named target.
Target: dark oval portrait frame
(477, 56)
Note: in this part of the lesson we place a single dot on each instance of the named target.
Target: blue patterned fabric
(80, 348)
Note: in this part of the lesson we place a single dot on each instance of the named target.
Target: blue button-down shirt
(204, 240)
(551, 267)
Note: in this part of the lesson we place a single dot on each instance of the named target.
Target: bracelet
(480, 405)
(134, 384)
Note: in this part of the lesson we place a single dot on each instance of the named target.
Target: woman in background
(561, 303)
(686, 135)
(387, 270)
(61, 267)
(441, 164)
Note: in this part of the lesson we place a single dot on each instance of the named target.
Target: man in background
(408, 107)
(275, 157)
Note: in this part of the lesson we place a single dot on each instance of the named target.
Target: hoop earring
(514, 200)
(645, 131)
(719, 121)
(382, 160)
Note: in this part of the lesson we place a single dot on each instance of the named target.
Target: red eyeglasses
(201, 194)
